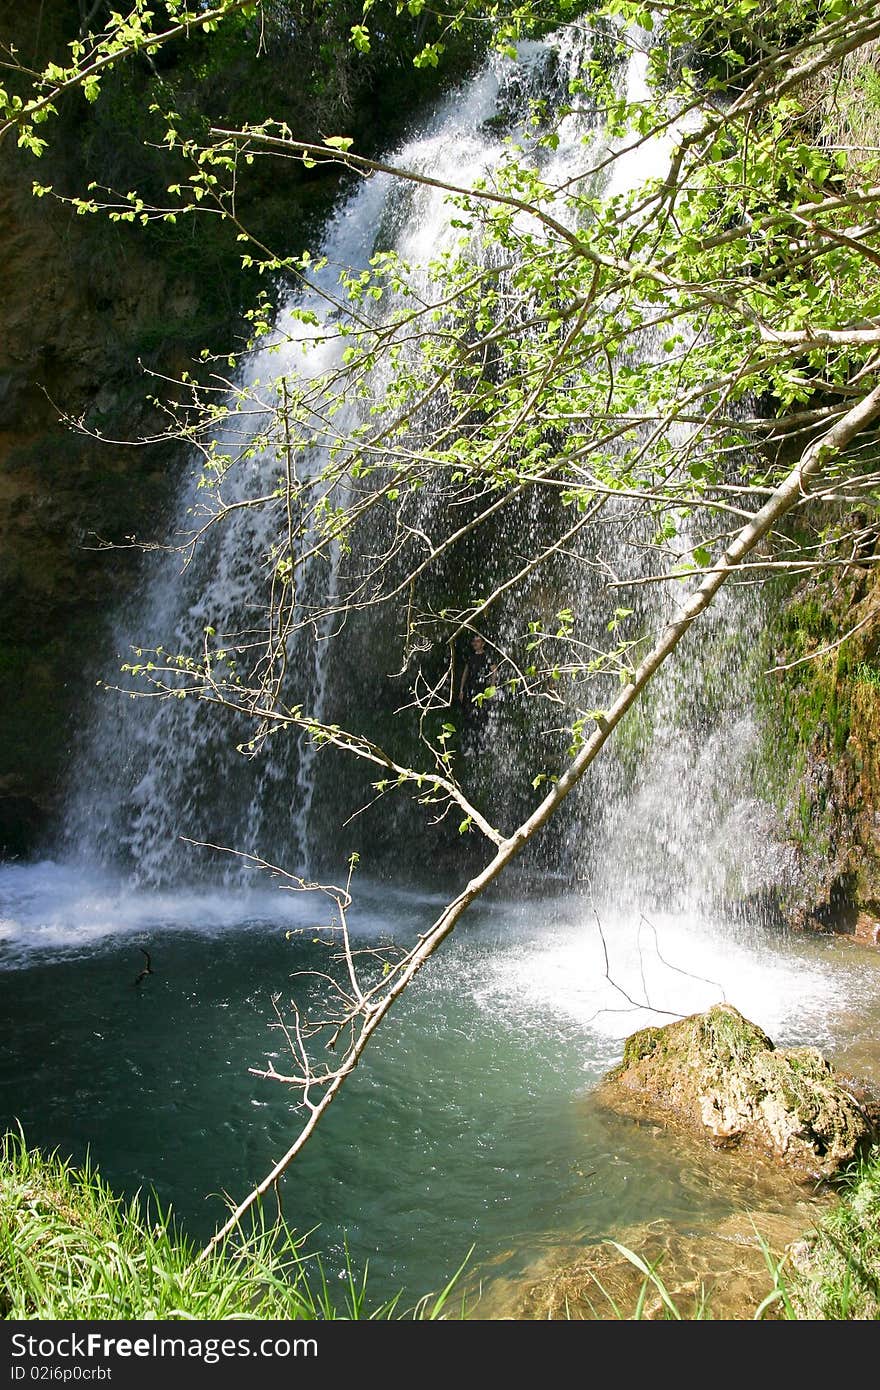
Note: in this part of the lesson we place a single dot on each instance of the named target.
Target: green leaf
(360, 37)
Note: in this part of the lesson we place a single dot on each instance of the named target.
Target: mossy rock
(721, 1075)
(820, 712)
(642, 1044)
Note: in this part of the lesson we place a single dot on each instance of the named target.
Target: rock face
(719, 1074)
(93, 314)
(821, 758)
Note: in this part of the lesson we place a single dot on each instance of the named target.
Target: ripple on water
(469, 1122)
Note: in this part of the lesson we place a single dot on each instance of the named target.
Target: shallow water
(468, 1125)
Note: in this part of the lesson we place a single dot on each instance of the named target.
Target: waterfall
(667, 817)
(471, 1125)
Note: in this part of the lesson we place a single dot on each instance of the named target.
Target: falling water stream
(470, 1123)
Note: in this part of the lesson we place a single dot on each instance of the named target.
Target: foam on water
(50, 910)
(539, 962)
(628, 973)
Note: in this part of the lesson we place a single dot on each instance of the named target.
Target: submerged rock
(720, 1075)
(719, 1273)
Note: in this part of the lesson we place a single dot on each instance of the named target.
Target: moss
(820, 716)
(719, 1075)
(727, 1039)
(642, 1044)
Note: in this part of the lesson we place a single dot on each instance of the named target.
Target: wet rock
(720, 1075)
(21, 821)
(867, 929)
(822, 738)
(717, 1273)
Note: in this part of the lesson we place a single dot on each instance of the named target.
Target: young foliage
(673, 338)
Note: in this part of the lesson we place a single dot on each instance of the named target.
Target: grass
(71, 1249)
(836, 1270)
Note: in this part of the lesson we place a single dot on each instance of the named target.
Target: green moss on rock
(820, 761)
(721, 1075)
(642, 1044)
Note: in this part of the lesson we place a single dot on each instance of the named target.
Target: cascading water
(528, 1006)
(182, 774)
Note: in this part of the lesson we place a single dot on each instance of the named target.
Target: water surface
(468, 1125)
